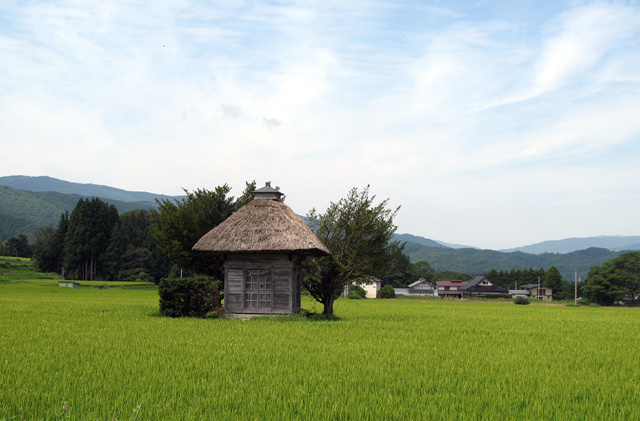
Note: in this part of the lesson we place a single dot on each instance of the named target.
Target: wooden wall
(279, 282)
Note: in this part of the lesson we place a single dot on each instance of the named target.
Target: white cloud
(580, 40)
(463, 120)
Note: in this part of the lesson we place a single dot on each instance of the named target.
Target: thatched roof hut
(264, 244)
(262, 226)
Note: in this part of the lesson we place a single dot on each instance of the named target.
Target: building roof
(519, 291)
(475, 283)
(262, 226)
(451, 283)
(418, 282)
(530, 286)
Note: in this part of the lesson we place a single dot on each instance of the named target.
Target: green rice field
(104, 352)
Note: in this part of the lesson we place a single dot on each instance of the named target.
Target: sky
(494, 124)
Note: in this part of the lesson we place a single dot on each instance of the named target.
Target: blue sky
(493, 124)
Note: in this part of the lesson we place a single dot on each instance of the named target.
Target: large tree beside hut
(358, 234)
(179, 225)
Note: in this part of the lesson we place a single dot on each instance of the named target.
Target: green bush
(189, 297)
(353, 295)
(358, 290)
(387, 291)
(521, 300)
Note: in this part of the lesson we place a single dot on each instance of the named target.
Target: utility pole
(575, 296)
(539, 289)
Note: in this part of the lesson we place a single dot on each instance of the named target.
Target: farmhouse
(419, 287)
(370, 284)
(542, 293)
(263, 245)
(450, 288)
(481, 286)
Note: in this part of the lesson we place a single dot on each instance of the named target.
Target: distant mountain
(416, 240)
(568, 245)
(474, 261)
(455, 246)
(23, 212)
(49, 184)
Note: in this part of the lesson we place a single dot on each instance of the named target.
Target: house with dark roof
(481, 286)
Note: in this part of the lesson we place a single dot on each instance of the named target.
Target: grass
(104, 352)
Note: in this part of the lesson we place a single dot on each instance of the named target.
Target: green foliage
(189, 297)
(423, 270)
(17, 247)
(23, 212)
(400, 272)
(387, 291)
(358, 235)
(449, 275)
(353, 295)
(87, 239)
(521, 300)
(616, 280)
(553, 279)
(357, 290)
(180, 224)
(132, 249)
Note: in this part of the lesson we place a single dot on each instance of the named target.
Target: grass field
(104, 352)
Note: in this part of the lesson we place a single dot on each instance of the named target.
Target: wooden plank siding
(274, 282)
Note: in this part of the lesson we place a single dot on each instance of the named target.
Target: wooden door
(258, 290)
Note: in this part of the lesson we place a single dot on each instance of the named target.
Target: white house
(371, 285)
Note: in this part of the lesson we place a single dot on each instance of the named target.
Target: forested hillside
(474, 261)
(23, 212)
(49, 184)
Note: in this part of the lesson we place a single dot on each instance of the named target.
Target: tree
(399, 273)
(358, 235)
(180, 224)
(88, 234)
(423, 270)
(387, 291)
(615, 280)
(553, 279)
(18, 246)
(44, 249)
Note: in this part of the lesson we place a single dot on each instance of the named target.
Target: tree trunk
(327, 301)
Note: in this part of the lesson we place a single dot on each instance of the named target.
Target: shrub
(354, 295)
(521, 300)
(189, 297)
(358, 290)
(387, 291)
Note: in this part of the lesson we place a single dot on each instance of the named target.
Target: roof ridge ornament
(268, 193)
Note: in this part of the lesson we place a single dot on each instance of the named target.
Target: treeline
(95, 243)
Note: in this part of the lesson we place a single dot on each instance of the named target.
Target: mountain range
(27, 203)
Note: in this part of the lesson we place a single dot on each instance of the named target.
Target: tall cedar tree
(358, 235)
(180, 224)
(90, 226)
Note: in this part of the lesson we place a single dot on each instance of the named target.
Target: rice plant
(103, 352)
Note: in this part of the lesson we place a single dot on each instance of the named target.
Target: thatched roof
(262, 226)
